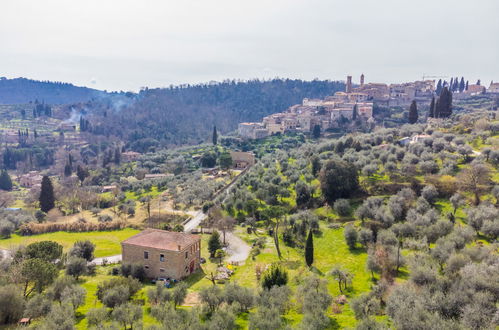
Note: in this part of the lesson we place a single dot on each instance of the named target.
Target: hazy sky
(124, 45)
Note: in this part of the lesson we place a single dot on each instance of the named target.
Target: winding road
(237, 249)
(194, 221)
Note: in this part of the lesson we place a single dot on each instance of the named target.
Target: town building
(241, 160)
(130, 156)
(493, 88)
(475, 90)
(163, 254)
(67, 127)
(110, 188)
(252, 130)
(414, 139)
(30, 179)
(157, 176)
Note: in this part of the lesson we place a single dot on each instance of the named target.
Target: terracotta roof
(162, 239)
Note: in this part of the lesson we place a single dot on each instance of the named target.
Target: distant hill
(22, 90)
(186, 114)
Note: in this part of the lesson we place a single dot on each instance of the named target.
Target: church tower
(361, 80)
(349, 84)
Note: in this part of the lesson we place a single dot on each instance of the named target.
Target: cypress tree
(215, 136)
(354, 112)
(81, 173)
(467, 83)
(5, 181)
(413, 113)
(316, 133)
(67, 170)
(439, 87)
(436, 112)
(444, 104)
(309, 249)
(117, 156)
(214, 243)
(461, 85)
(431, 114)
(47, 199)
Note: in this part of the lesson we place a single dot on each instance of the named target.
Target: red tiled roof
(162, 239)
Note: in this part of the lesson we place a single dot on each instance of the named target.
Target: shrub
(134, 270)
(76, 267)
(6, 229)
(274, 276)
(32, 228)
(83, 249)
(430, 193)
(342, 207)
(104, 218)
(351, 236)
(12, 303)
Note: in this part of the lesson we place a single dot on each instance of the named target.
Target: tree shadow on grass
(333, 324)
(318, 234)
(317, 271)
(79, 316)
(291, 264)
(357, 251)
(403, 274)
(195, 277)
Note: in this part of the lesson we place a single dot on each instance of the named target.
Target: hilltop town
(356, 103)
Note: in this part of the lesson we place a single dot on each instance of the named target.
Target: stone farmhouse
(164, 254)
(30, 179)
(241, 160)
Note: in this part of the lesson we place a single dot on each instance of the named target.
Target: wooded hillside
(186, 114)
(22, 90)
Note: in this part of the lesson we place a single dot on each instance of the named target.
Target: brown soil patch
(192, 299)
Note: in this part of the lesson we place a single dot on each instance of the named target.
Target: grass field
(330, 251)
(107, 243)
(89, 283)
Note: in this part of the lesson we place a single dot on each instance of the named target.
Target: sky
(127, 45)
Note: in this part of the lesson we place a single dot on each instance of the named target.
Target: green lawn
(330, 251)
(89, 283)
(107, 243)
(152, 193)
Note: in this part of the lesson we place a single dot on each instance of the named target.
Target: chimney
(362, 80)
(349, 84)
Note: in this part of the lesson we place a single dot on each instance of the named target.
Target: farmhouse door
(191, 267)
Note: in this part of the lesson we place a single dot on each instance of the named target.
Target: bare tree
(475, 179)
(5, 199)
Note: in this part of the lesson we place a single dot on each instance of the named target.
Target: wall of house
(174, 264)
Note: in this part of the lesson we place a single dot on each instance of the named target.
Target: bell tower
(349, 84)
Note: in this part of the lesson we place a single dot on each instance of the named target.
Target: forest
(22, 90)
